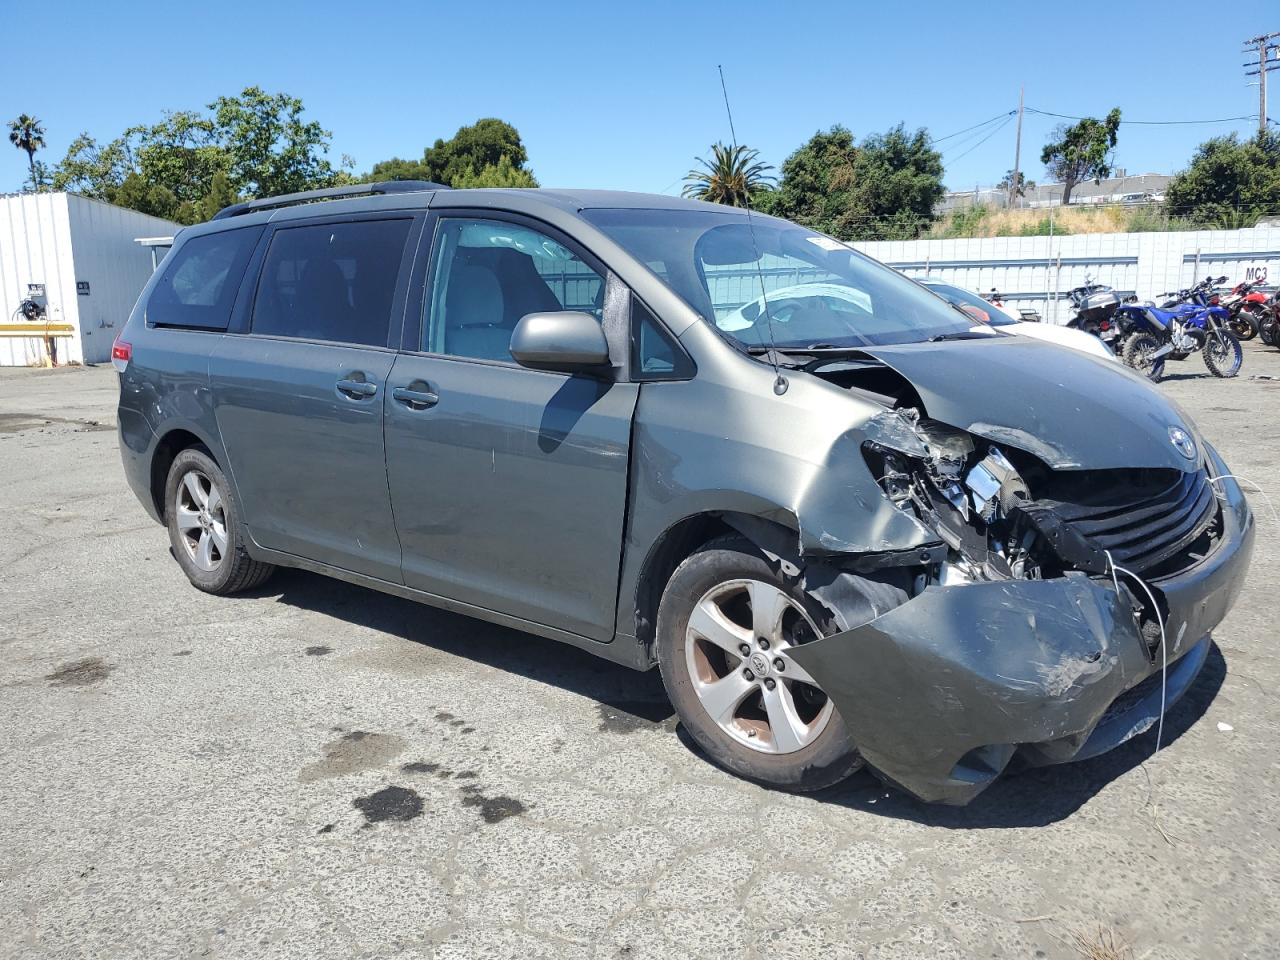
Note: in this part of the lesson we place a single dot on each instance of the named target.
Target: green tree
(136, 193)
(504, 173)
(1228, 181)
(93, 170)
(1080, 152)
(1006, 184)
(733, 176)
(884, 188)
(181, 153)
(270, 148)
(27, 134)
(398, 169)
(489, 152)
(482, 144)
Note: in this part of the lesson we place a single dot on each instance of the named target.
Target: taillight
(1105, 325)
(121, 354)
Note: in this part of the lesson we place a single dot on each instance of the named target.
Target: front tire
(1137, 354)
(208, 539)
(1223, 354)
(726, 624)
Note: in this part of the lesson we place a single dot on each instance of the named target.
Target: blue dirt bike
(1183, 327)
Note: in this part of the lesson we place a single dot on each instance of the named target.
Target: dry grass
(992, 222)
(1102, 944)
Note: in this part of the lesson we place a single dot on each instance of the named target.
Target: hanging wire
(1145, 123)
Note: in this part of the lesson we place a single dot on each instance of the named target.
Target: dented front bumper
(940, 693)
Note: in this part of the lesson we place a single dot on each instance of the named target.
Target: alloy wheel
(738, 650)
(202, 520)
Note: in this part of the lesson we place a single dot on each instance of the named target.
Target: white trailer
(77, 258)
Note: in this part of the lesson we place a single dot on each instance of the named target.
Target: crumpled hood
(1071, 410)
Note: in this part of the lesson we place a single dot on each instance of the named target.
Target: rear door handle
(416, 399)
(357, 389)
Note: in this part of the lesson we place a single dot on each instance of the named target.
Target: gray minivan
(847, 528)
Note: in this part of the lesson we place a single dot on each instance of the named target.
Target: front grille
(1151, 524)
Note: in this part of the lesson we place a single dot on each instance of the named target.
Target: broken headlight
(965, 490)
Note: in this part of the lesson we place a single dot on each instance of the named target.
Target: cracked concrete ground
(317, 770)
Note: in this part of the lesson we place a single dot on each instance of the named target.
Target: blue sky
(626, 95)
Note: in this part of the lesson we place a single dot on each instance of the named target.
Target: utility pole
(1017, 151)
(1263, 47)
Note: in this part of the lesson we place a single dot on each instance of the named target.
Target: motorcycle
(1190, 325)
(1269, 324)
(1095, 304)
(1247, 307)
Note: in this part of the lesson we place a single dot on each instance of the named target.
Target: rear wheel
(205, 531)
(727, 626)
(1223, 354)
(1138, 354)
(1244, 324)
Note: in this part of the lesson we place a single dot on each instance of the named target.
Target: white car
(849, 308)
(988, 313)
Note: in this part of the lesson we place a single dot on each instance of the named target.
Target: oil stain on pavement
(352, 753)
(394, 804)
(80, 673)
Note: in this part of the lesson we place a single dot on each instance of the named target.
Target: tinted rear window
(331, 281)
(199, 282)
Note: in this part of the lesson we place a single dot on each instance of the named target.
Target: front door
(299, 397)
(509, 485)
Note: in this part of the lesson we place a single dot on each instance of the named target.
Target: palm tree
(25, 133)
(731, 177)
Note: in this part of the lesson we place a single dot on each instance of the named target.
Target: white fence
(1036, 272)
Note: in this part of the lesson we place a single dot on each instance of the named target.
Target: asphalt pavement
(319, 770)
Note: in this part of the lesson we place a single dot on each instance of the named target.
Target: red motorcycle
(1248, 309)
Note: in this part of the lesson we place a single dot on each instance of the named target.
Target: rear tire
(777, 728)
(1222, 354)
(1245, 325)
(208, 539)
(1137, 354)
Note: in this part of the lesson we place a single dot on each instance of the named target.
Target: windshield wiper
(959, 335)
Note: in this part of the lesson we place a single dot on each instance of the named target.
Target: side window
(200, 281)
(488, 274)
(331, 281)
(654, 355)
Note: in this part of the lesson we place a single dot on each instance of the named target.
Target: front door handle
(416, 399)
(357, 389)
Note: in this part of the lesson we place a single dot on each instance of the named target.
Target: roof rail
(329, 193)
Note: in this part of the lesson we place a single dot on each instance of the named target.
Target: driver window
(489, 274)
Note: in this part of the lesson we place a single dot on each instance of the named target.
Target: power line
(974, 127)
(997, 129)
(1145, 123)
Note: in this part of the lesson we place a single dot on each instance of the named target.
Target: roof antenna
(780, 383)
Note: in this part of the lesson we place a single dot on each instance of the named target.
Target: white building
(78, 259)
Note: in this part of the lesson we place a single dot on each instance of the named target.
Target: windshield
(820, 293)
(987, 312)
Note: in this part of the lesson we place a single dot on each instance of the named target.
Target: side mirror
(566, 341)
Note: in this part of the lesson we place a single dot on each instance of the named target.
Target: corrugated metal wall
(115, 267)
(58, 239)
(1036, 272)
(35, 247)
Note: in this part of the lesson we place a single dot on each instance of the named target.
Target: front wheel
(727, 626)
(1223, 354)
(1138, 354)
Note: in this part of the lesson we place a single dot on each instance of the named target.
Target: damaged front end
(1026, 634)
